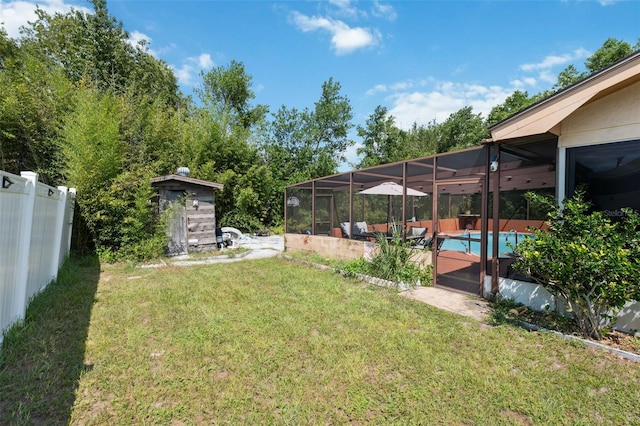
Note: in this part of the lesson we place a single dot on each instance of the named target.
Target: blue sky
(422, 60)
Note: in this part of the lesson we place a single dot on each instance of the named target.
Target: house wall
(613, 118)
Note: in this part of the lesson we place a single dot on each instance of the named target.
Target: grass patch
(274, 342)
(506, 311)
(408, 273)
(42, 358)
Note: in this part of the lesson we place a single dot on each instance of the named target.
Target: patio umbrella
(390, 189)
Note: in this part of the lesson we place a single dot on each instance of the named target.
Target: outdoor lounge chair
(359, 229)
(416, 236)
(344, 228)
(428, 244)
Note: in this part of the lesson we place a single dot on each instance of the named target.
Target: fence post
(71, 205)
(57, 236)
(24, 242)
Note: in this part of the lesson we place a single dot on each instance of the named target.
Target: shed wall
(196, 222)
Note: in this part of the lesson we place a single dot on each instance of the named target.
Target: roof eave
(545, 116)
(186, 179)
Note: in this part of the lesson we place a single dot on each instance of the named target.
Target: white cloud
(205, 61)
(344, 39)
(378, 88)
(548, 77)
(439, 101)
(386, 11)
(136, 37)
(351, 154)
(556, 60)
(191, 67)
(397, 86)
(423, 101)
(345, 8)
(15, 14)
(548, 69)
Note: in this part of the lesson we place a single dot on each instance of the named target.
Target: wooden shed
(192, 202)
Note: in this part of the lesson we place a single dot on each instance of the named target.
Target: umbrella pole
(388, 212)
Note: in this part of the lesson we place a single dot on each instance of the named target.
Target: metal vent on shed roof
(183, 171)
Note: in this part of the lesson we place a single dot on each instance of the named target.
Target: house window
(610, 174)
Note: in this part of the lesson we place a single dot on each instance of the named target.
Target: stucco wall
(614, 118)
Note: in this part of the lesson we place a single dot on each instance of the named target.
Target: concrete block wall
(341, 248)
(331, 247)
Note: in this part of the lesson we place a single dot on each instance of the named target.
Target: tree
(285, 147)
(95, 48)
(588, 260)
(226, 92)
(516, 102)
(422, 141)
(301, 145)
(223, 146)
(611, 51)
(34, 97)
(94, 155)
(382, 141)
(567, 77)
(462, 129)
(328, 128)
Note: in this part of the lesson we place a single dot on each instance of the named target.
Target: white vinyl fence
(35, 236)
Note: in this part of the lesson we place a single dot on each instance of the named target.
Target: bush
(588, 260)
(393, 262)
(122, 220)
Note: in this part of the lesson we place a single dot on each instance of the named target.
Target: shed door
(178, 225)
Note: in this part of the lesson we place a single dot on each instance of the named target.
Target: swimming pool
(473, 247)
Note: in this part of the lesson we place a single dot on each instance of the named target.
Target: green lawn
(275, 342)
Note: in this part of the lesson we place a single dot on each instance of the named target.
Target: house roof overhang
(185, 179)
(545, 117)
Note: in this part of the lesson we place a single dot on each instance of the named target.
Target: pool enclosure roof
(418, 173)
(522, 168)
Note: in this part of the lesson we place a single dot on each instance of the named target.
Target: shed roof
(185, 179)
(545, 116)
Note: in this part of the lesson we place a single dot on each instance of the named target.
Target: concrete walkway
(259, 248)
(452, 301)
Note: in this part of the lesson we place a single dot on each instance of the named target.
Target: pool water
(474, 246)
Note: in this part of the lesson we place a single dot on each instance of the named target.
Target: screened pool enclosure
(451, 196)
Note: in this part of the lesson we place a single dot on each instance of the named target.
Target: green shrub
(590, 261)
(122, 220)
(394, 261)
(356, 266)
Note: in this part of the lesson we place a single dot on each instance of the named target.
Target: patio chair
(344, 228)
(428, 244)
(361, 231)
(416, 236)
